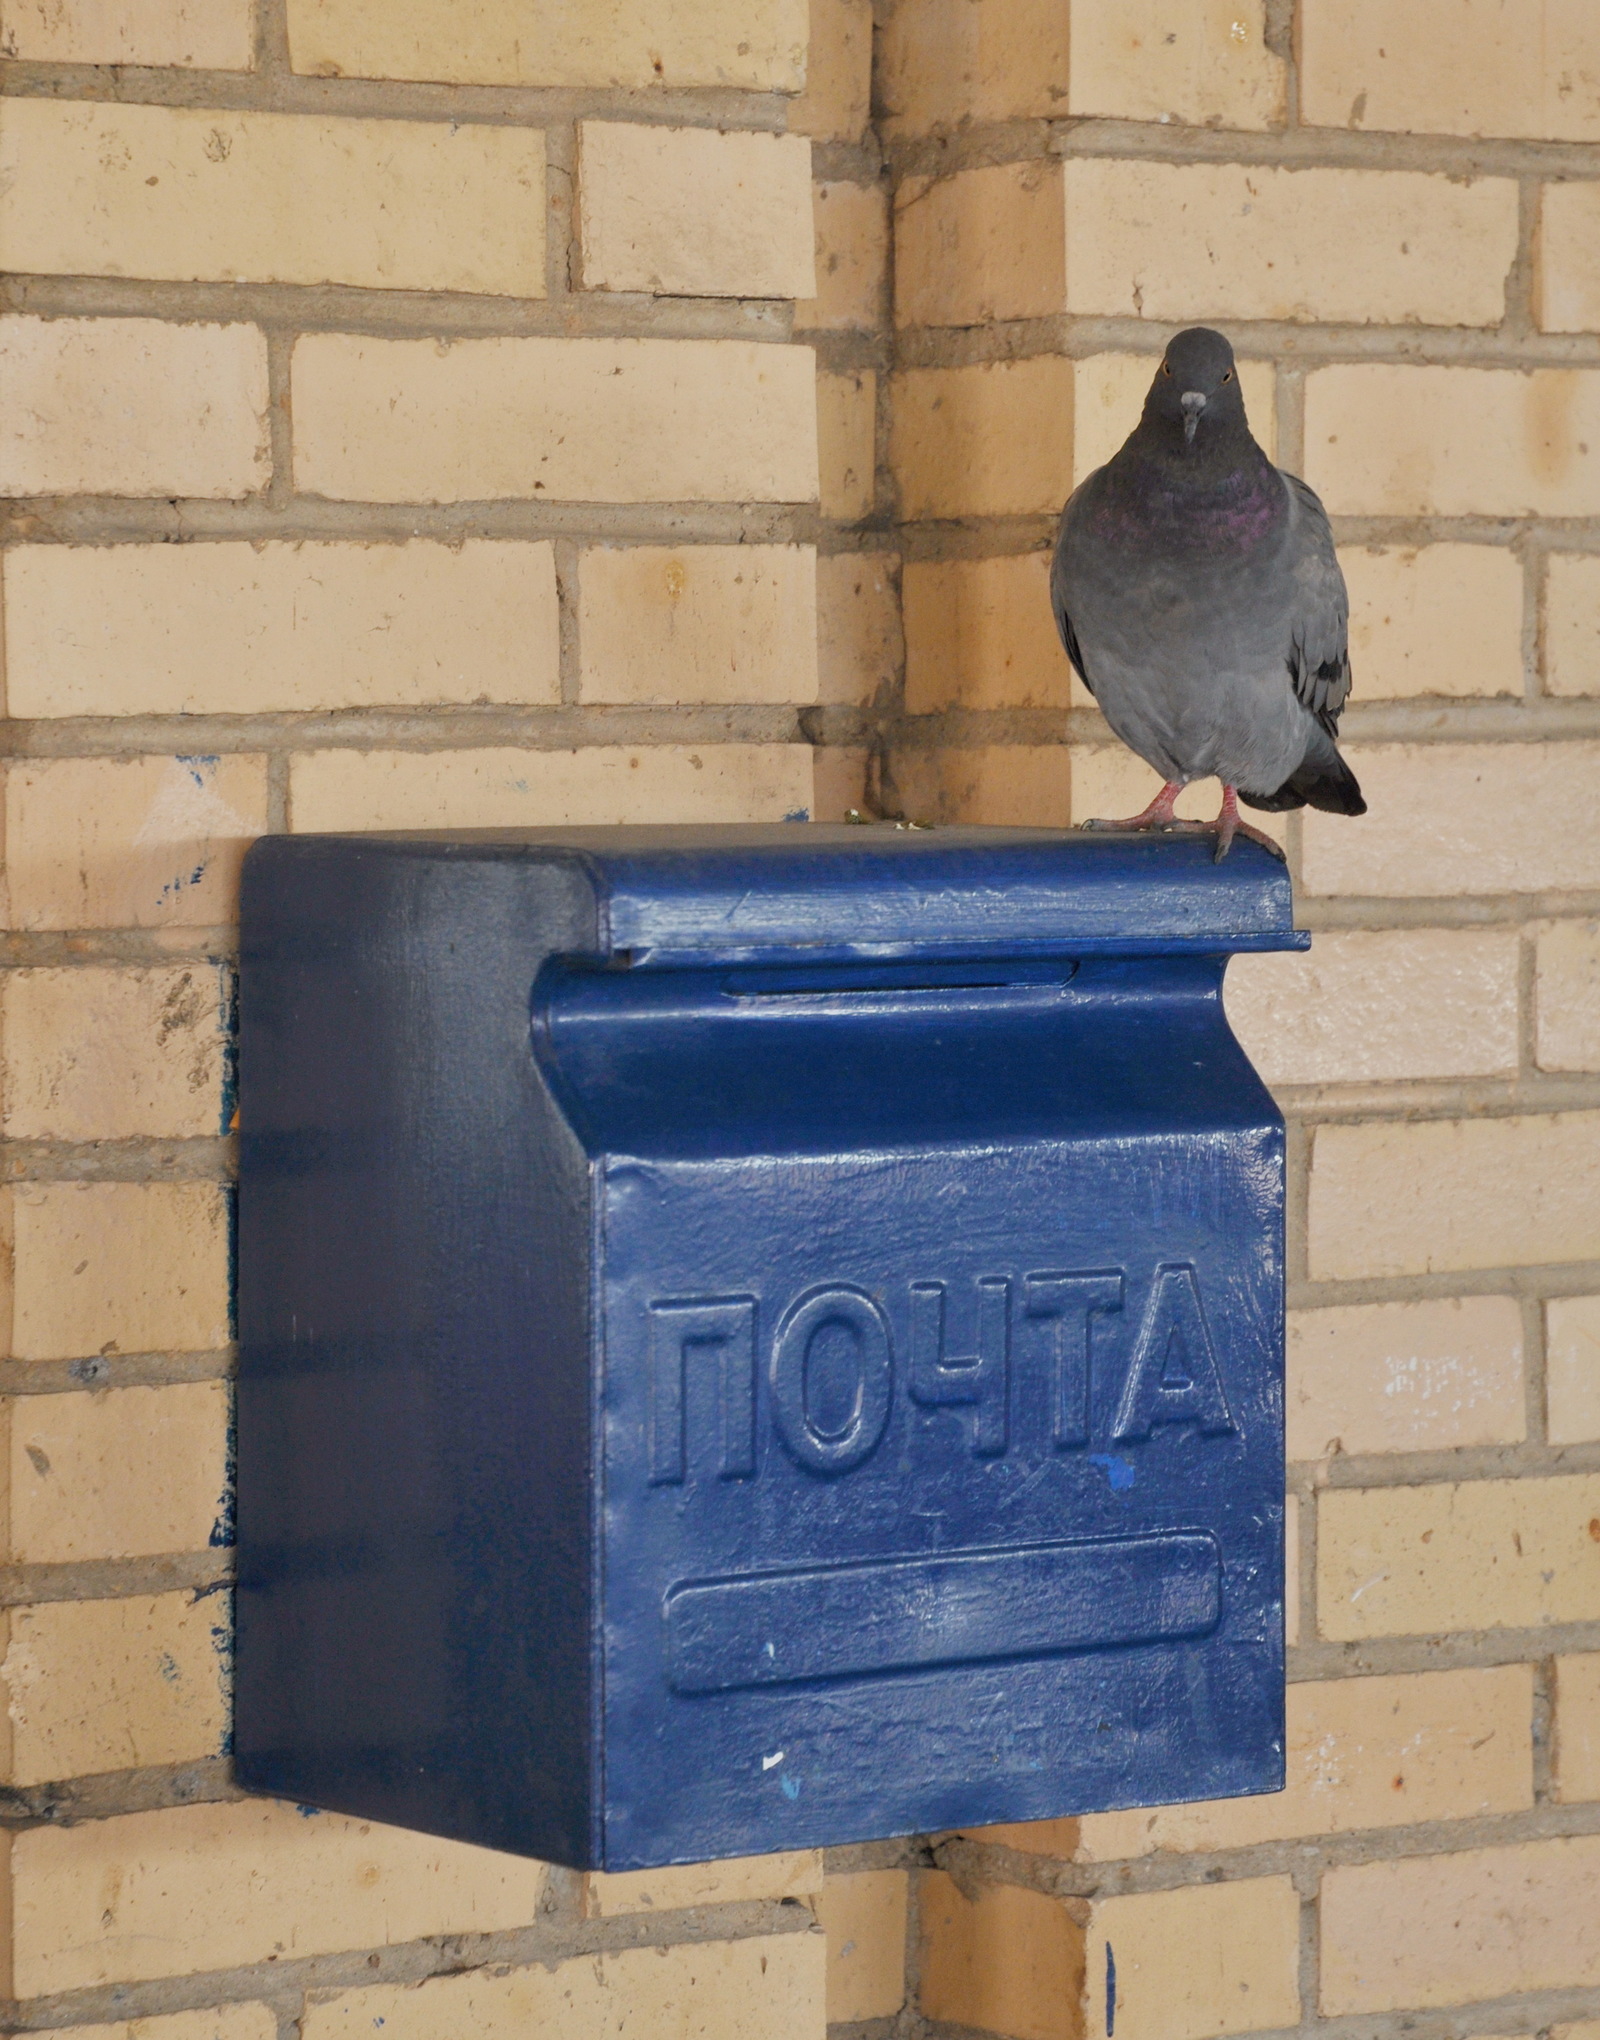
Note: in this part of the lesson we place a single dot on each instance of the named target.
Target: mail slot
(755, 1337)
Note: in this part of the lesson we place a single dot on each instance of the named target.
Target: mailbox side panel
(415, 1520)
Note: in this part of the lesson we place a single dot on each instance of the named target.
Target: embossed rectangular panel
(963, 1607)
(755, 1338)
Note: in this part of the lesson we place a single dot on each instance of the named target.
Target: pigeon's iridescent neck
(1193, 506)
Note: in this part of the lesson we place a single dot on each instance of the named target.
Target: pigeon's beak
(1193, 403)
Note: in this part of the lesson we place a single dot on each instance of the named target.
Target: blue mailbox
(755, 1337)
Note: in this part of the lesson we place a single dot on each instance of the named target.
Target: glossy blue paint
(755, 1337)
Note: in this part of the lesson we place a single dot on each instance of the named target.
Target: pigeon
(1197, 592)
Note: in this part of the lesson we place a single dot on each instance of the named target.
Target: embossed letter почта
(755, 1337)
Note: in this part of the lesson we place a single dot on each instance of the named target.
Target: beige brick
(1466, 67)
(1423, 441)
(1165, 60)
(1361, 1754)
(1360, 1007)
(238, 629)
(694, 212)
(1398, 1199)
(771, 1985)
(841, 782)
(7, 1269)
(1405, 1377)
(1007, 1960)
(597, 421)
(837, 102)
(1567, 996)
(859, 643)
(1572, 1369)
(1434, 619)
(852, 255)
(1109, 392)
(1222, 241)
(1209, 1959)
(945, 62)
(1577, 1737)
(990, 440)
(1446, 1930)
(1204, 64)
(1003, 785)
(1109, 782)
(1587, 2029)
(96, 1686)
(1566, 295)
(1571, 632)
(202, 195)
(1291, 1570)
(210, 35)
(119, 1268)
(1059, 1839)
(1490, 1554)
(720, 623)
(981, 634)
(757, 45)
(523, 789)
(215, 1887)
(131, 407)
(983, 245)
(794, 1874)
(100, 1054)
(226, 2022)
(863, 1914)
(1452, 818)
(124, 1473)
(847, 443)
(1201, 62)
(156, 842)
(1124, 238)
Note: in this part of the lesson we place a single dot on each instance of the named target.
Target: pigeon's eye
(1227, 375)
(1166, 368)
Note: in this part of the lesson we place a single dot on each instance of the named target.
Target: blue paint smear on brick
(230, 1050)
(231, 1204)
(222, 1530)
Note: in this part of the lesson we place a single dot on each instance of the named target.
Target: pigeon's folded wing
(1318, 656)
(1058, 599)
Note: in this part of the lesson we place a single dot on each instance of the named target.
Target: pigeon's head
(1197, 384)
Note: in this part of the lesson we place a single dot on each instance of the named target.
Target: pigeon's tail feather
(1321, 780)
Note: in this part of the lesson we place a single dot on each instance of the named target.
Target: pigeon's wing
(1318, 656)
(1058, 591)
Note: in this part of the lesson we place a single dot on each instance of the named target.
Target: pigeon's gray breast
(1189, 620)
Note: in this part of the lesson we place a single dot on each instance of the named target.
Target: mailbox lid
(672, 895)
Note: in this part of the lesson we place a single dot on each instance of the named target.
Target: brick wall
(441, 415)
(1393, 208)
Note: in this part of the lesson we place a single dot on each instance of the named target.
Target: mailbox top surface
(671, 894)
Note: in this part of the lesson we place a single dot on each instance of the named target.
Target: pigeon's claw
(1158, 815)
(1228, 825)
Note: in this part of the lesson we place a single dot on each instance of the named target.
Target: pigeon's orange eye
(1166, 368)
(1227, 375)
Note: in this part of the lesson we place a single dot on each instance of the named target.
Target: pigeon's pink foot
(1228, 825)
(1158, 815)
